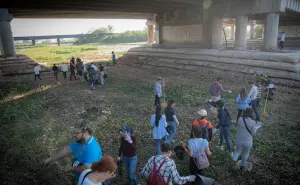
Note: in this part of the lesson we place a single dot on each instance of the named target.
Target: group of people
(91, 73)
(91, 168)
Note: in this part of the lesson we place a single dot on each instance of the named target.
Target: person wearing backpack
(158, 123)
(161, 169)
(198, 150)
(127, 153)
(215, 91)
(224, 124)
(204, 124)
(243, 101)
(100, 172)
(246, 129)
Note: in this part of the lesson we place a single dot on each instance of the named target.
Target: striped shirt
(168, 170)
(259, 91)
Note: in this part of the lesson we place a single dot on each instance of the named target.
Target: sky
(39, 27)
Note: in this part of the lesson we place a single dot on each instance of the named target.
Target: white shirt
(282, 37)
(95, 67)
(253, 93)
(64, 67)
(159, 131)
(157, 90)
(37, 70)
(86, 180)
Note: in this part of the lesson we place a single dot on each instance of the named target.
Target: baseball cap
(202, 113)
(127, 128)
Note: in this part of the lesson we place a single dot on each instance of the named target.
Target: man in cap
(204, 124)
(85, 149)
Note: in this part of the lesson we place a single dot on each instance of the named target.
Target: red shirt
(128, 149)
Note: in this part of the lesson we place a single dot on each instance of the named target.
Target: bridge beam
(6, 36)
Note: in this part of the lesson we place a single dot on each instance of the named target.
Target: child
(102, 76)
(64, 69)
(37, 70)
(224, 125)
(55, 70)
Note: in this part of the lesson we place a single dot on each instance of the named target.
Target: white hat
(202, 113)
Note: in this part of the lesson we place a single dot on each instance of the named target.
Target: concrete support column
(158, 29)
(33, 42)
(217, 29)
(271, 31)
(7, 39)
(241, 32)
(232, 32)
(58, 41)
(150, 24)
(251, 31)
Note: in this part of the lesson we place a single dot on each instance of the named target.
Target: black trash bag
(201, 180)
(179, 152)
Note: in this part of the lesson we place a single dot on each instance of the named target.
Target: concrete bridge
(58, 37)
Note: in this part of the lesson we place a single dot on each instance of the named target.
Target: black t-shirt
(169, 112)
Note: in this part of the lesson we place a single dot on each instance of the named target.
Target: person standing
(72, 69)
(158, 91)
(37, 71)
(161, 169)
(158, 123)
(259, 89)
(243, 101)
(85, 149)
(246, 130)
(253, 95)
(114, 58)
(171, 119)
(127, 153)
(282, 38)
(215, 91)
(101, 75)
(224, 125)
(99, 173)
(92, 76)
(85, 72)
(79, 68)
(55, 70)
(64, 69)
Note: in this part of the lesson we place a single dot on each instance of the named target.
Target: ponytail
(157, 115)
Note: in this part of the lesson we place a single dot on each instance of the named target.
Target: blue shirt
(86, 153)
(243, 104)
(198, 145)
(159, 131)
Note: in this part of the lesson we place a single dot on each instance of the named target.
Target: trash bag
(201, 180)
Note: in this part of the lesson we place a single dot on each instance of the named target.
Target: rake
(164, 102)
(264, 113)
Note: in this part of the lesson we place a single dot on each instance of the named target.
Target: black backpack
(105, 75)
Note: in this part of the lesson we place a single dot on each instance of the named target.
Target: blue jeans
(173, 125)
(224, 133)
(130, 165)
(157, 146)
(254, 107)
(244, 149)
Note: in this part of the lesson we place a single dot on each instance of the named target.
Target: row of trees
(125, 37)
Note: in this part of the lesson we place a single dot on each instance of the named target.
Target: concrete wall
(290, 31)
(182, 34)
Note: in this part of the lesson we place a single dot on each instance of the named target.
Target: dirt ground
(36, 123)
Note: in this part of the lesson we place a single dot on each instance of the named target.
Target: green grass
(55, 54)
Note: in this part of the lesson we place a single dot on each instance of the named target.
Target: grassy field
(57, 54)
(37, 121)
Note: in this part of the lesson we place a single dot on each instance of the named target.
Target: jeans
(65, 74)
(281, 44)
(37, 75)
(130, 165)
(224, 133)
(72, 75)
(258, 103)
(244, 149)
(156, 101)
(173, 125)
(55, 75)
(157, 146)
(253, 104)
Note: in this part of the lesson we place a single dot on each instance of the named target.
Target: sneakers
(231, 154)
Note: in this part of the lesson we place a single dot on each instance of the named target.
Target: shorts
(79, 73)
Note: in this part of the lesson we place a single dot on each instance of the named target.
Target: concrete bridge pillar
(232, 32)
(271, 31)
(150, 24)
(241, 32)
(33, 42)
(58, 41)
(217, 32)
(6, 36)
(252, 29)
(158, 29)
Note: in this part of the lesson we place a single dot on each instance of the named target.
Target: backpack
(201, 160)
(227, 121)
(155, 178)
(105, 75)
(204, 129)
(213, 89)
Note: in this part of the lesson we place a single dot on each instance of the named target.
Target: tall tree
(110, 28)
